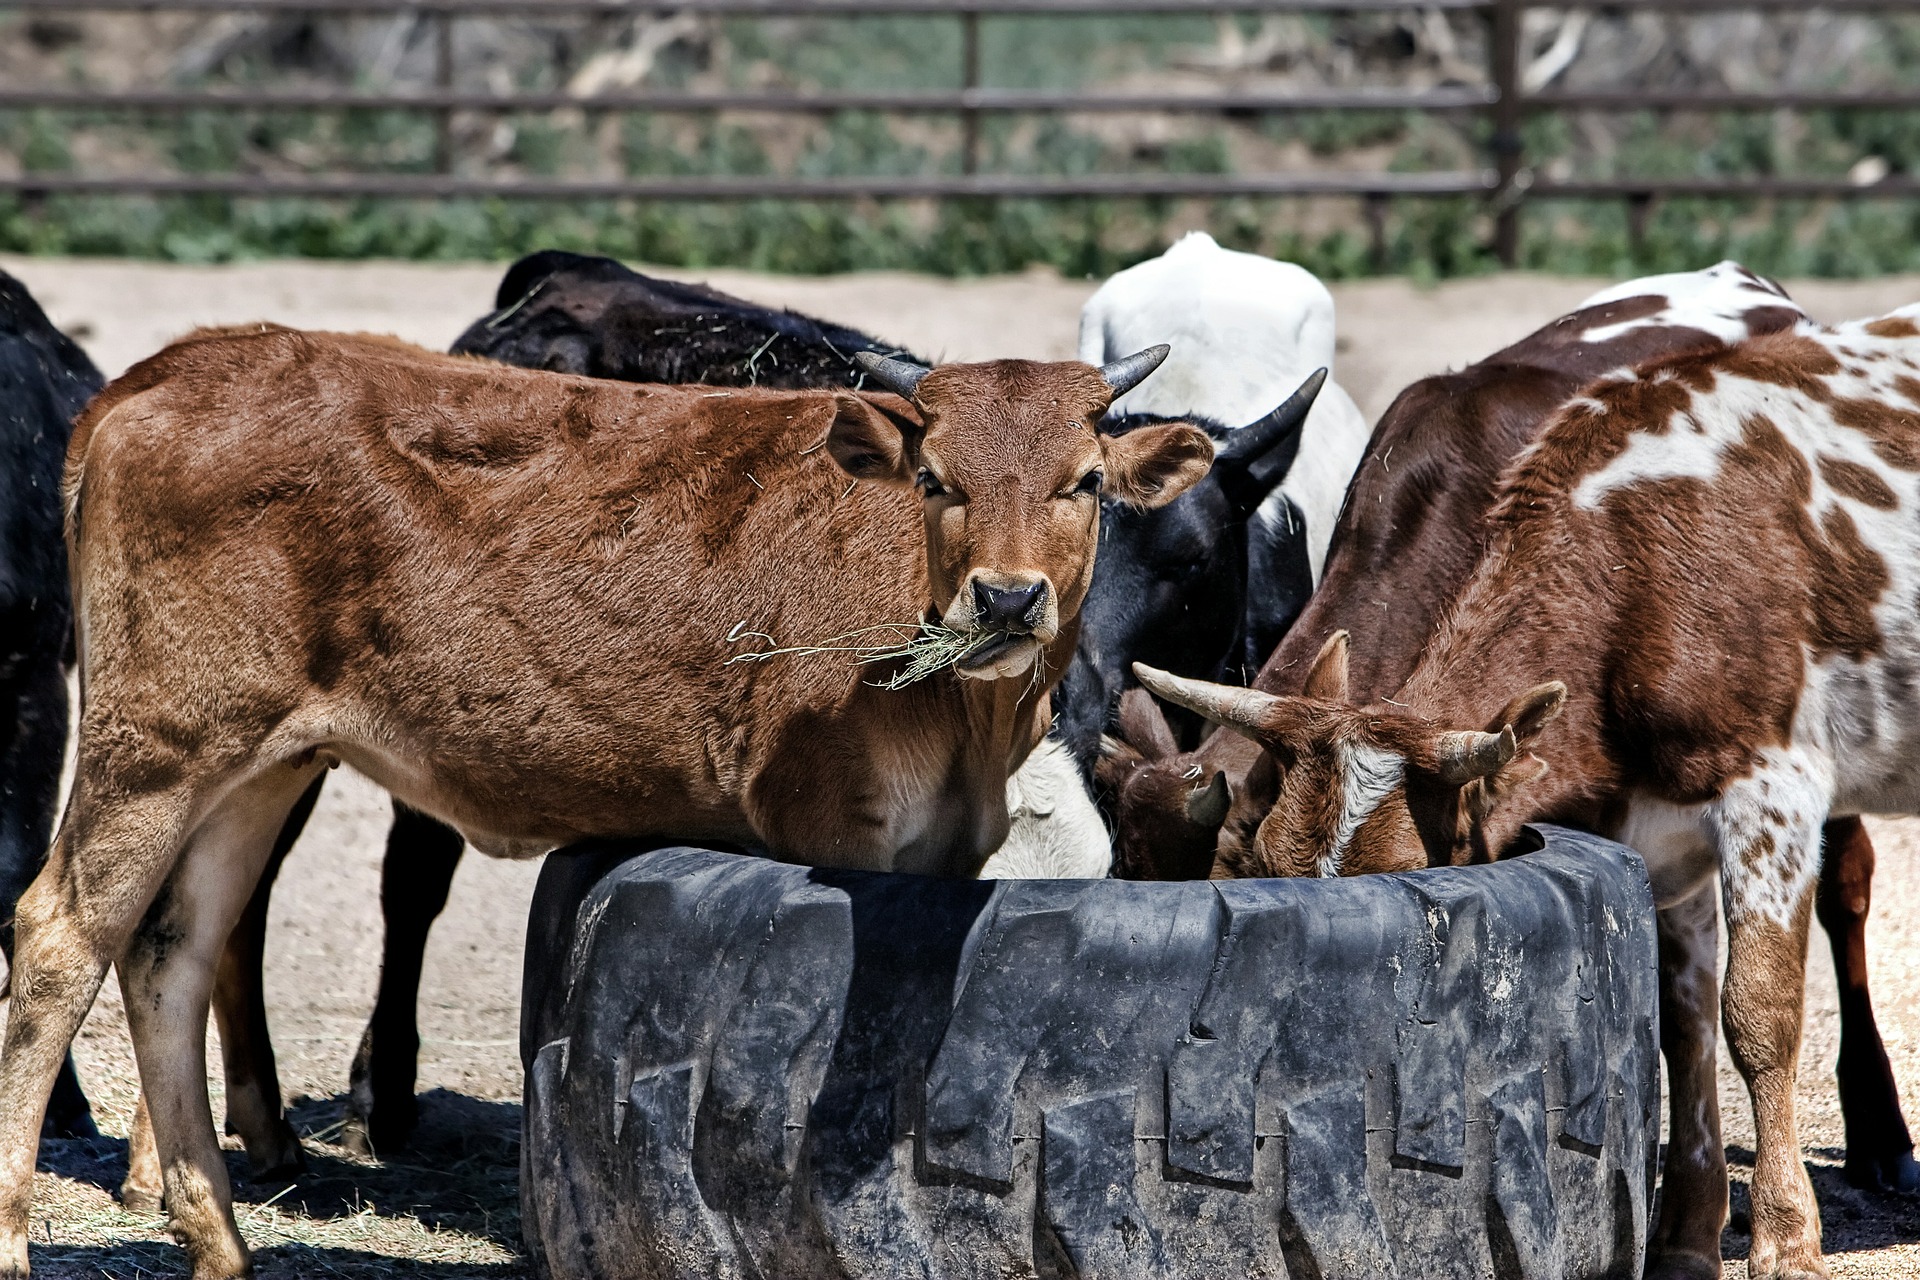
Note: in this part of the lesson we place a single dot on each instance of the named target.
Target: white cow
(1245, 331)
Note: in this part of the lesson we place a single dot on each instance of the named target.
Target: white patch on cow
(1055, 832)
(1715, 300)
(1767, 825)
(1673, 841)
(1245, 332)
(1693, 441)
(1368, 775)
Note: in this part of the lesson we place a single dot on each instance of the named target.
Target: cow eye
(1089, 483)
(928, 486)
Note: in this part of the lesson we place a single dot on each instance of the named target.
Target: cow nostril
(1001, 609)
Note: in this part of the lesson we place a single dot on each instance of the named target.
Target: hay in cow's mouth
(926, 648)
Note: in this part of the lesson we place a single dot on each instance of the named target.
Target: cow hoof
(135, 1198)
(387, 1129)
(1898, 1173)
(355, 1138)
(1681, 1266)
(279, 1157)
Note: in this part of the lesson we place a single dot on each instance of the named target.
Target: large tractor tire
(738, 1068)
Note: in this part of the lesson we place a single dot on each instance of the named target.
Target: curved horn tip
(1507, 744)
(1207, 806)
(902, 377)
(1473, 754)
(1125, 374)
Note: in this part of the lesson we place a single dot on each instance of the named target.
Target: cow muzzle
(1015, 615)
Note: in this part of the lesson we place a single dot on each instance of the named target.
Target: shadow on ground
(427, 1210)
(1851, 1220)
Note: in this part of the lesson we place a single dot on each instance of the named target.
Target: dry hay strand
(925, 648)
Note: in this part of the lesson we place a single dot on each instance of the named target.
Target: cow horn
(1466, 756)
(1252, 461)
(1242, 710)
(1126, 374)
(1207, 806)
(1251, 442)
(902, 377)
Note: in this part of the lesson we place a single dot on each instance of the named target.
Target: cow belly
(1674, 841)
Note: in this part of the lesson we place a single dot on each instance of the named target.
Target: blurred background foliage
(1416, 49)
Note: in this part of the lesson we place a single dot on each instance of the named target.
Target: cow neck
(1525, 618)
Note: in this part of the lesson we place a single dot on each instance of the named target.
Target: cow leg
(239, 1004)
(1879, 1148)
(246, 1049)
(1769, 836)
(106, 865)
(1693, 1183)
(142, 1191)
(33, 717)
(422, 853)
(167, 976)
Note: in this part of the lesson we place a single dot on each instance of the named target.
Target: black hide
(597, 318)
(45, 380)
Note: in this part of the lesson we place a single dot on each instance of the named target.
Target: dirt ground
(447, 1207)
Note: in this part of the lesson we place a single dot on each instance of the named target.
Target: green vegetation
(1425, 238)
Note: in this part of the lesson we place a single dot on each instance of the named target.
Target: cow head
(1167, 807)
(1348, 790)
(1170, 587)
(1011, 469)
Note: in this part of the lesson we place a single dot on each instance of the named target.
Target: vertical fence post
(443, 81)
(1376, 205)
(1504, 59)
(969, 81)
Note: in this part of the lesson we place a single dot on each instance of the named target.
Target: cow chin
(1016, 659)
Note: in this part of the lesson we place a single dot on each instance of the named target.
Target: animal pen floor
(448, 1206)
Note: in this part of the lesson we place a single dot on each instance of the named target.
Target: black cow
(45, 380)
(1175, 581)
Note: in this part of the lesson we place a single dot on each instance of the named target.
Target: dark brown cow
(510, 598)
(1693, 630)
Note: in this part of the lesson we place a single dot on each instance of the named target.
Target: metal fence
(1506, 181)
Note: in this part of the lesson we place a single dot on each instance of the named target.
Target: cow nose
(1008, 609)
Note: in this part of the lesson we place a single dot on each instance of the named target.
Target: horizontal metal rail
(765, 186)
(939, 101)
(947, 102)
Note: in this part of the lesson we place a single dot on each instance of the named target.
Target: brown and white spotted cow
(1694, 628)
(506, 596)
(1412, 530)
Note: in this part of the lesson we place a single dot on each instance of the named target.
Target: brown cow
(1720, 557)
(1412, 530)
(508, 598)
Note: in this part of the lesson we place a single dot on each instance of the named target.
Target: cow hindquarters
(167, 976)
(1768, 829)
(1879, 1147)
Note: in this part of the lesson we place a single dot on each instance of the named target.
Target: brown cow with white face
(507, 597)
(1693, 629)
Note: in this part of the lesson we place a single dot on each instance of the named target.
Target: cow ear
(871, 443)
(1154, 465)
(1327, 677)
(1531, 712)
